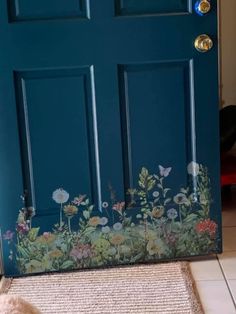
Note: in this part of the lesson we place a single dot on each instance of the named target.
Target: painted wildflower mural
(154, 225)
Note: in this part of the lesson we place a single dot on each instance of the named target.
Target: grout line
(226, 281)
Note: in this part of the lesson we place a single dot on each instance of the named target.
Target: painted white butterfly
(164, 172)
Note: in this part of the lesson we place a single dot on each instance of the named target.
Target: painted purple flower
(8, 235)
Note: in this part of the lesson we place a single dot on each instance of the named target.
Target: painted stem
(69, 226)
(61, 216)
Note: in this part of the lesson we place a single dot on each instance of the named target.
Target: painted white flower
(106, 229)
(60, 196)
(172, 213)
(132, 225)
(103, 221)
(155, 194)
(125, 249)
(112, 251)
(193, 168)
(117, 226)
(181, 199)
(105, 204)
(139, 216)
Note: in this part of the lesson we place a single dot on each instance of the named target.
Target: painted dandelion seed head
(60, 196)
(172, 213)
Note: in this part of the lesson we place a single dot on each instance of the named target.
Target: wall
(228, 51)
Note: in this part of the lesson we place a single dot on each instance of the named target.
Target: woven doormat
(160, 288)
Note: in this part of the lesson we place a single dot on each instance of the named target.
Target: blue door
(108, 133)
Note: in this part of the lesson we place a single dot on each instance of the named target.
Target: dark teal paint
(139, 55)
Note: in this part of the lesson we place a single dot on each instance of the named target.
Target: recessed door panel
(20, 10)
(56, 129)
(140, 7)
(162, 85)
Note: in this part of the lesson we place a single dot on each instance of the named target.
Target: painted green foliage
(154, 225)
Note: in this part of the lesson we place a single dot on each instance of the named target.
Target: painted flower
(22, 228)
(8, 235)
(119, 207)
(117, 239)
(155, 194)
(70, 210)
(153, 247)
(139, 216)
(117, 226)
(101, 245)
(106, 229)
(158, 212)
(81, 251)
(46, 238)
(103, 221)
(112, 251)
(105, 204)
(60, 196)
(56, 253)
(207, 226)
(193, 168)
(172, 213)
(125, 249)
(181, 199)
(79, 199)
(94, 221)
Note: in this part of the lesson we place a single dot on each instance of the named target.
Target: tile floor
(216, 276)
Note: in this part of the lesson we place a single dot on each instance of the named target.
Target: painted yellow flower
(101, 245)
(33, 266)
(46, 238)
(56, 253)
(153, 247)
(158, 212)
(117, 239)
(94, 221)
(151, 235)
(70, 210)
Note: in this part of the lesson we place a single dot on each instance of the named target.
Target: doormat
(160, 288)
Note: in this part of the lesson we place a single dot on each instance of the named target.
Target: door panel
(109, 134)
(130, 7)
(60, 128)
(21, 10)
(143, 128)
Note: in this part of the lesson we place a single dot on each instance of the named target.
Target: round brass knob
(203, 43)
(203, 7)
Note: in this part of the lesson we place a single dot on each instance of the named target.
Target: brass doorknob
(202, 6)
(203, 43)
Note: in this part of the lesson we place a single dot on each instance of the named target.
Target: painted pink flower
(78, 200)
(22, 228)
(8, 235)
(119, 207)
(207, 226)
(81, 251)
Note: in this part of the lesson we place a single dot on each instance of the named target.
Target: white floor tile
(228, 263)
(206, 270)
(229, 239)
(215, 297)
(232, 285)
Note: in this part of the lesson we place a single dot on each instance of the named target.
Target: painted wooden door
(108, 133)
